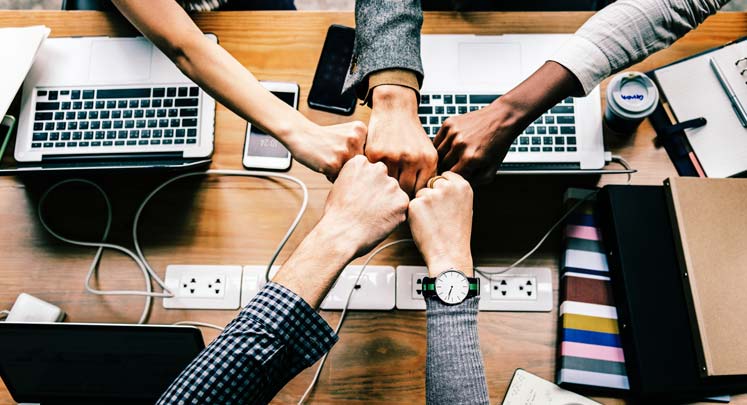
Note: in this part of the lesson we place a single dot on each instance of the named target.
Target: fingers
(423, 192)
(445, 146)
(454, 177)
(392, 167)
(441, 135)
(465, 167)
(357, 141)
(407, 178)
(451, 159)
(422, 180)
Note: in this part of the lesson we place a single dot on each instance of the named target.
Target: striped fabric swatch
(590, 350)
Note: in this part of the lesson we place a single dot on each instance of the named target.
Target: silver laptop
(111, 102)
(467, 72)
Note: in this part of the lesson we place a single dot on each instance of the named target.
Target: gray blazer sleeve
(454, 372)
(387, 36)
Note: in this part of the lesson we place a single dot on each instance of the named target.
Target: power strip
(203, 287)
(253, 280)
(380, 288)
(375, 289)
(520, 289)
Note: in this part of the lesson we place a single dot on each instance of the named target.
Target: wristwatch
(452, 287)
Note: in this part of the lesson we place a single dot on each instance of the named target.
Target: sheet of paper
(693, 91)
(20, 45)
(528, 389)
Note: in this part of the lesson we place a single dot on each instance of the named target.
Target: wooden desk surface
(381, 355)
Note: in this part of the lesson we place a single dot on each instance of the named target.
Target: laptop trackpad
(495, 66)
(120, 60)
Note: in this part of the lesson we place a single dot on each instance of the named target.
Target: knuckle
(463, 186)
(380, 167)
(431, 156)
(391, 183)
(470, 155)
(374, 154)
(459, 140)
(359, 126)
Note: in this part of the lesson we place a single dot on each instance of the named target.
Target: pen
(736, 105)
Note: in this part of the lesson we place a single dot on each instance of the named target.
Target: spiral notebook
(693, 90)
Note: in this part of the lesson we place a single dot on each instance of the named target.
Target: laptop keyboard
(553, 132)
(77, 118)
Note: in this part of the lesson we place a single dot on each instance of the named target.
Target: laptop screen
(57, 363)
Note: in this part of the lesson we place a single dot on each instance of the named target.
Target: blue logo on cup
(638, 97)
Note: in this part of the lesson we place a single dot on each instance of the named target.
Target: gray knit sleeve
(454, 372)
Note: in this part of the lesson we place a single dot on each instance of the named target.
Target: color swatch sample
(590, 350)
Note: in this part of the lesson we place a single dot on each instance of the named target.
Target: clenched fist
(441, 224)
(364, 205)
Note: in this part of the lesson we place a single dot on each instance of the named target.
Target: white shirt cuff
(585, 60)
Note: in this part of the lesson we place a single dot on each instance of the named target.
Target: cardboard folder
(709, 219)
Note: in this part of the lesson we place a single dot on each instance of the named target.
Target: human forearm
(224, 78)
(550, 84)
(212, 67)
(274, 337)
(362, 209)
(626, 32)
(475, 143)
(454, 371)
(323, 254)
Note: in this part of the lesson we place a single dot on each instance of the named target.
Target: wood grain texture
(381, 355)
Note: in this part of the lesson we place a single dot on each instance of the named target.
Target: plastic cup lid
(634, 93)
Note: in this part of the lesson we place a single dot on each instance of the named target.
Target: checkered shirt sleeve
(274, 337)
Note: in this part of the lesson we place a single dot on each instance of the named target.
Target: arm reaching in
(167, 25)
(279, 333)
(386, 72)
(441, 224)
(396, 137)
(621, 34)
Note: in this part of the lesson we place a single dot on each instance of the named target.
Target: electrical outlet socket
(253, 279)
(203, 287)
(376, 292)
(513, 288)
(409, 294)
(526, 289)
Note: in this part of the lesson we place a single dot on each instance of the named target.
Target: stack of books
(676, 258)
(591, 358)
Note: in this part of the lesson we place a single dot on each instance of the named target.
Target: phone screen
(326, 90)
(261, 144)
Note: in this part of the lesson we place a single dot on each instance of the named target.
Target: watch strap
(428, 287)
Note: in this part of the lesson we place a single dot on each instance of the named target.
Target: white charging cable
(345, 311)
(138, 257)
(619, 159)
(148, 293)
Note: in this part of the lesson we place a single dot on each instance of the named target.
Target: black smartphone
(326, 90)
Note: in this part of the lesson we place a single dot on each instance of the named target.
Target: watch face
(452, 287)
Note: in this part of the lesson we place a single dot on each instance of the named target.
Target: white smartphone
(263, 151)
